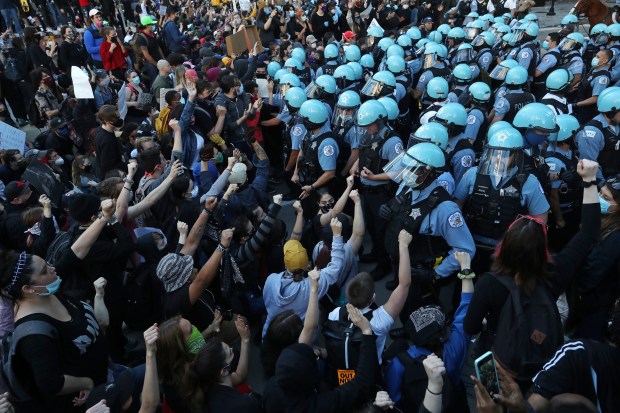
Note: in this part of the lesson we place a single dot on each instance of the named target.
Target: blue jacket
(92, 43)
(190, 149)
(454, 353)
(174, 37)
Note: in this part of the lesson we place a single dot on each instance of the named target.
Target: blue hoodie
(92, 41)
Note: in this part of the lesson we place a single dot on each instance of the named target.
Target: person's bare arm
(147, 56)
(298, 228)
(150, 388)
(207, 273)
(340, 204)
(241, 373)
(195, 234)
(122, 203)
(355, 155)
(359, 227)
(397, 299)
(311, 322)
(101, 311)
(81, 246)
(156, 194)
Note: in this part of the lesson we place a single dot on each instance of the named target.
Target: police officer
(352, 53)
(292, 134)
(526, 54)
(595, 82)
(460, 151)
(599, 140)
(368, 65)
(498, 78)
(343, 123)
(344, 77)
(613, 31)
(462, 78)
(397, 66)
(437, 93)
(565, 195)
(306, 74)
(316, 164)
(506, 107)
(482, 45)
(465, 54)
(571, 48)
(330, 54)
(378, 145)
(557, 84)
(551, 60)
(296, 67)
(473, 29)
(495, 192)
(477, 123)
(358, 72)
(380, 84)
(424, 208)
(456, 36)
(434, 66)
(597, 41)
(324, 88)
(379, 51)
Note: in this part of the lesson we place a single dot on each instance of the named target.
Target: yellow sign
(345, 376)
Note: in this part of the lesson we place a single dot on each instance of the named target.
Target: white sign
(81, 84)
(375, 23)
(162, 97)
(12, 138)
(122, 103)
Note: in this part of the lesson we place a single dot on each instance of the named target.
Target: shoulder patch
(525, 55)
(603, 80)
(422, 78)
(297, 131)
(398, 148)
(471, 119)
(500, 103)
(590, 133)
(486, 59)
(328, 150)
(466, 161)
(456, 220)
(444, 184)
(546, 59)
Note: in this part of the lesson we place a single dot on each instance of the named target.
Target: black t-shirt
(151, 44)
(573, 369)
(109, 151)
(224, 399)
(321, 25)
(200, 314)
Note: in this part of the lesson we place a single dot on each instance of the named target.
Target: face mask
(332, 11)
(136, 80)
(325, 208)
(534, 139)
(63, 132)
(71, 37)
(304, 18)
(545, 45)
(240, 90)
(105, 82)
(323, 8)
(49, 81)
(405, 6)
(52, 288)
(291, 13)
(595, 61)
(195, 341)
(261, 75)
(59, 161)
(114, 37)
(237, 22)
(99, 24)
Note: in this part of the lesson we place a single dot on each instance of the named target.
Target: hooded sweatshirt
(282, 293)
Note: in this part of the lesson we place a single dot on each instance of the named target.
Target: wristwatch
(467, 273)
(585, 184)
(113, 220)
(127, 180)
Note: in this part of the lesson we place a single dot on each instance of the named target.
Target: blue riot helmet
(294, 98)
(432, 55)
(380, 84)
(299, 54)
(357, 70)
(437, 89)
(367, 61)
(470, 18)
(391, 107)
(352, 53)
(516, 77)
(507, 18)
(417, 166)
(288, 81)
(346, 108)
(483, 39)
(573, 41)
(457, 35)
(473, 29)
(537, 121)
(487, 20)
(272, 69)
(279, 75)
(502, 153)
(480, 92)
(444, 29)
(613, 31)
(501, 32)
(371, 119)
(568, 125)
(443, 51)
(344, 76)
(453, 116)
(501, 70)
(497, 126)
(430, 132)
(464, 54)
(525, 32)
(558, 81)
(404, 41)
(414, 33)
(497, 20)
(609, 100)
(531, 17)
(598, 35)
(569, 19)
(420, 46)
(396, 65)
(435, 36)
(293, 65)
(313, 114)
(509, 39)
(381, 48)
(374, 33)
(395, 50)
(322, 87)
(462, 74)
(331, 52)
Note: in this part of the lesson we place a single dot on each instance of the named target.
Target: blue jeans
(57, 18)
(10, 17)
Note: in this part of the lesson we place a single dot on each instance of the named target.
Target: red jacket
(112, 60)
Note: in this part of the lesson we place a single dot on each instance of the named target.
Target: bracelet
(433, 393)
(101, 216)
(588, 184)
(312, 187)
(221, 248)
(124, 187)
(127, 180)
(466, 274)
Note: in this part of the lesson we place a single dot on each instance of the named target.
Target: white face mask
(304, 18)
(59, 161)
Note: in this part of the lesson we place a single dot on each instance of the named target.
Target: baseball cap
(93, 12)
(295, 256)
(174, 270)
(238, 175)
(147, 20)
(57, 123)
(15, 189)
(424, 324)
(348, 35)
(427, 20)
(310, 39)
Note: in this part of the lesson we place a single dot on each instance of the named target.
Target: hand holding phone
(486, 371)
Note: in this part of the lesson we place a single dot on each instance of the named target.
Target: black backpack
(11, 71)
(342, 341)
(414, 383)
(61, 243)
(8, 349)
(34, 113)
(529, 330)
(142, 294)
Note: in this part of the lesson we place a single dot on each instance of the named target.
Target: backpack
(11, 71)
(414, 383)
(34, 113)
(142, 294)
(39, 141)
(138, 56)
(8, 350)
(60, 244)
(529, 330)
(342, 341)
(161, 123)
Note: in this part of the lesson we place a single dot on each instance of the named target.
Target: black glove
(424, 274)
(385, 212)
(569, 176)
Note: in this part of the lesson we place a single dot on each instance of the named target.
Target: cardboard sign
(12, 138)
(43, 179)
(243, 40)
(145, 100)
(162, 98)
(122, 104)
(345, 376)
(163, 10)
(375, 23)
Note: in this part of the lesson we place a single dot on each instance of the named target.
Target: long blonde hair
(179, 74)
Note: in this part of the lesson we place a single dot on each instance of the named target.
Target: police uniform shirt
(525, 55)
(351, 138)
(285, 116)
(484, 60)
(327, 151)
(400, 91)
(445, 221)
(475, 119)
(599, 83)
(329, 114)
(500, 92)
(452, 97)
(615, 70)
(502, 106)
(532, 195)
(319, 71)
(556, 166)
(462, 160)
(297, 133)
(415, 66)
(548, 61)
(426, 76)
(576, 66)
(390, 150)
(591, 141)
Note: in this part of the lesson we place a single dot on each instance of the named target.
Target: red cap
(348, 35)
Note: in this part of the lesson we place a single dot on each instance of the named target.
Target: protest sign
(81, 85)
(12, 138)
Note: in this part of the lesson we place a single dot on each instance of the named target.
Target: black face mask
(325, 208)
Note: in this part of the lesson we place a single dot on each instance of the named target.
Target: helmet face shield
(372, 88)
(464, 56)
(478, 41)
(566, 45)
(314, 91)
(601, 39)
(499, 72)
(499, 162)
(471, 33)
(344, 117)
(408, 170)
(429, 60)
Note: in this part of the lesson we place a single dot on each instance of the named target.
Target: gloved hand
(424, 274)
(385, 212)
(569, 176)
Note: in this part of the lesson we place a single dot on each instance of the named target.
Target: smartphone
(487, 372)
